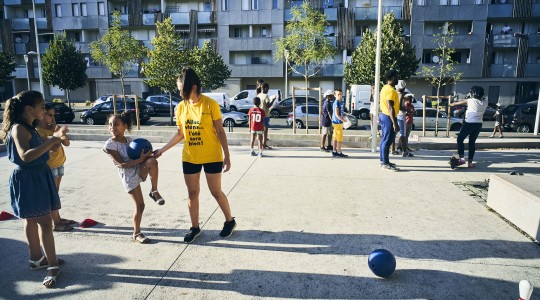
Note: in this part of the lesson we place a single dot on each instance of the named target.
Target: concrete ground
(306, 225)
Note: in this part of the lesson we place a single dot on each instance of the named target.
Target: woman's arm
(462, 102)
(218, 125)
(22, 137)
(175, 139)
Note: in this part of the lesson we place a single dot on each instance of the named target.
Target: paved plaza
(306, 225)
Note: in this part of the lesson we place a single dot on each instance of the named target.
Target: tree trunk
(307, 111)
(123, 92)
(67, 97)
(437, 112)
(171, 112)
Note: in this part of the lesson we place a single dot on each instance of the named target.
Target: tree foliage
(64, 65)
(443, 72)
(304, 43)
(210, 67)
(396, 53)
(117, 49)
(7, 67)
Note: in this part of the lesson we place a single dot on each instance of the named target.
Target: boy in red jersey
(256, 117)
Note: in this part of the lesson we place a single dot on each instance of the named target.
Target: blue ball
(382, 263)
(138, 145)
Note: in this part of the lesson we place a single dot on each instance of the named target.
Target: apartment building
(497, 41)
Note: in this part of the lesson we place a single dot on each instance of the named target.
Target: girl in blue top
(32, 189)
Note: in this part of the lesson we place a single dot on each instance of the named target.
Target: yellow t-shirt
(201, 142)
(56, 158)
(389, 93)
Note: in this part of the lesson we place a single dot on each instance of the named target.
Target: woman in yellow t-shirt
(205, 146)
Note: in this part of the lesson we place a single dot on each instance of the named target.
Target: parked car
(286, 105)
(520, 117)
(100, 100)
(163, 102)
(221, 98)
(230, 118)
(99, 113)
(431, 120)
(459, 112)
(312, 117)
(63, 113)
(243, 101)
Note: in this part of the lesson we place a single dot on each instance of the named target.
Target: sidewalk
(306, 224)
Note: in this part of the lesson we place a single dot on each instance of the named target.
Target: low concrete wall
(517, 198)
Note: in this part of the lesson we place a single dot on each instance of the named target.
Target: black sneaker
(335, 154)
(193, 233)
(330, 148)
(342, 155)
(228, 228)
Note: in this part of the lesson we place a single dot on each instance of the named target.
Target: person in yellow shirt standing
(57, 158)
(200, 125)
(389, 104)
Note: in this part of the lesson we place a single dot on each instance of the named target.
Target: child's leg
(32, 237)
(261, 144)
(500, 129)
(138, 200)
(150, 167)
(193, 186)
(252, 140)
(214, 184)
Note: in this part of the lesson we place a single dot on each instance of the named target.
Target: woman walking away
(31, 185)
(205, 146)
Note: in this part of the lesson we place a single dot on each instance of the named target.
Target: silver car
(313, 117)
(230, 118)
(431, 117)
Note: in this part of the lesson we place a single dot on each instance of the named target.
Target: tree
(444, 71)
(118, 50)
(210, 67)
(165, 60)
(7, 67)
(64, 65)
(396, 53)
(304, 46)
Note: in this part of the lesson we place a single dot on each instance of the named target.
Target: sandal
(50, 280)
(37, 264)
(159, 200)
(62, 227)
(139, 237)
(68, 222)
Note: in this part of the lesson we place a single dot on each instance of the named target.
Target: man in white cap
(326, 121)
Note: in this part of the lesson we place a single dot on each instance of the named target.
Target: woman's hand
(61, 132)
(226, 164)
(157, 153)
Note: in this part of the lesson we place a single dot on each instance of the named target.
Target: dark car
(63, 113)
(162, 103)
(282, 108)
(99, 113)
(520, 117)
(459, 112)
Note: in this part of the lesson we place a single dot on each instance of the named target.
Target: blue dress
(31, 185)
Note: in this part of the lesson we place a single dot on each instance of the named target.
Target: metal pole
(537, 115)
(37, 50)
(377, 79)
(27, 73)
(286, 73)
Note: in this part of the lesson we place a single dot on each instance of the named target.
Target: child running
(132, 172)
(57, 158)
(256, 117)
(31, 185)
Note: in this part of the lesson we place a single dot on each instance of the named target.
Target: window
(207, 6)
(274, 4)
(454, 2)
(101, 8)
(245, 4)
(84, 11)
(75, 9)
(263, 32)
(421, 2)
(478, 2)
(443, 2)
(58, 10)
(224, 5)
(255, 4)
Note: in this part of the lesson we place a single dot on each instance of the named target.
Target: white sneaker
(260, 155)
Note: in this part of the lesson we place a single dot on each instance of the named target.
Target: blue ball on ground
(382, 263)
(137, 146)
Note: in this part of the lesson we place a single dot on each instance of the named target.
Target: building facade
(497, 41)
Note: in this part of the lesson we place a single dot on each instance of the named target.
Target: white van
(221, 98)
(360, 100)
(243, 101)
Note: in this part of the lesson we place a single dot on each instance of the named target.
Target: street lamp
(27, 74)
(286, 73)
(37, 48)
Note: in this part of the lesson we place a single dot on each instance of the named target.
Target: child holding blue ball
(132, 172)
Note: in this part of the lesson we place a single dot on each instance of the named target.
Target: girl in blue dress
(32, 189)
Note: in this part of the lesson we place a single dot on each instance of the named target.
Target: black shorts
(209, 168)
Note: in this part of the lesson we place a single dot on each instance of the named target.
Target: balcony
(205, 17)
(335, 70)
(124, 20)
(43, 47)
(41, 23)
(331, 14)
(202, 41)
(180, 18)
(21, 49)
(332, 40)
(20, 72)
(370, 13)
(534, 40)
(20, 24)
(504, 41)
(98, 72)
(505, 70)
(532, 70)
(149, 19)
(83, 46)
(500, 11)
